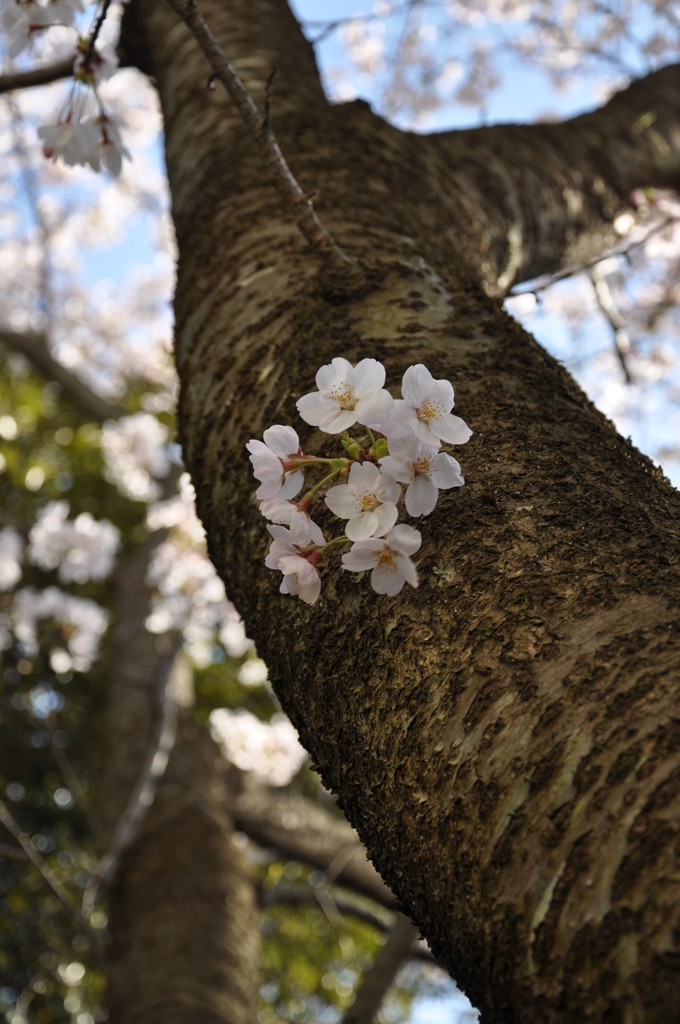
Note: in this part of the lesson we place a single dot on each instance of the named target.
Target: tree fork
(505, 739)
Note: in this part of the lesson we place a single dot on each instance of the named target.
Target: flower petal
(374, 408)
(314, 408)
(451, 429)
(282, 440)
(421, 497)
(404, 539)
(416, 385)
(407, 569)
(387, 517)
(369, 375)
(332, 373)
(342, 501)
(362, 526)
(445, 471)
(398, 469)
(343, 419)
(386, 578)
(363, 555)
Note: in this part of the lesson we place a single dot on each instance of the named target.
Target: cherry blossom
(83, 549)
(11, 547)
(100, 66)
(287, 512)
(271, 750)
(424, 469)
(135, 451)
(300, 575)
(281, 446)
(83, 622)
(368, 500)
(347, 394)
(389, 558)
(20, 21)
(426, 408)
(108, 149)
(73, 141)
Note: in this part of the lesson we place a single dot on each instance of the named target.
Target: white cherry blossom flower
(389, 558)
(269, 459)
(426, 408)
(108, 149)
(424, 469)
(300, 575)
(20, 21)
(73, 141)
(347, 394)
(287, 512)
(368, 499)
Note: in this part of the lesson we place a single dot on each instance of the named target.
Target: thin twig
(540, 284)
(95, 32)
(379, 978)
(69, 777)
(37, 76)
(335, 260)
(144, 793)
(268, 99)
(48, 875)
(301, 895)
(607, 306)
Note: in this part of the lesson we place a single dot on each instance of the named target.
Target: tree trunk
(506, 738)
(183, 910)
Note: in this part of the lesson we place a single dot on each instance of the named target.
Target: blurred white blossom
(11, 548)
(82, 622)
(271, 750)
(190, 597)
(83, 549)
(135, 451)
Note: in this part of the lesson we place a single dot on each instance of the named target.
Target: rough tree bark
(505, 738)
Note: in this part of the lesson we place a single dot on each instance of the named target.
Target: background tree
(398, 322)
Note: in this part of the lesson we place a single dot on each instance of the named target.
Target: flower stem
(310, 494)
(370, 434)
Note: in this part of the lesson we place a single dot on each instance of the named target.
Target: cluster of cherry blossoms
(77, 138)
(400, 444)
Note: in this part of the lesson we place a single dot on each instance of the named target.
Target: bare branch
(379, 978)
(306, 831)
(153, 769)
(34, 347)
(298, 896)
(8, 820)
(605, 301)
(37, 76)
(338, 263)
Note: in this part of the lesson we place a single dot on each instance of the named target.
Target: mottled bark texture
(183, 912)
(506, 738)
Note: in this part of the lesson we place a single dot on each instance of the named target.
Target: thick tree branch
(535, 199)
(37, 76)
(306, 831)
(34, 347)
(379, 978)
(337, 263)
(151, 773)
